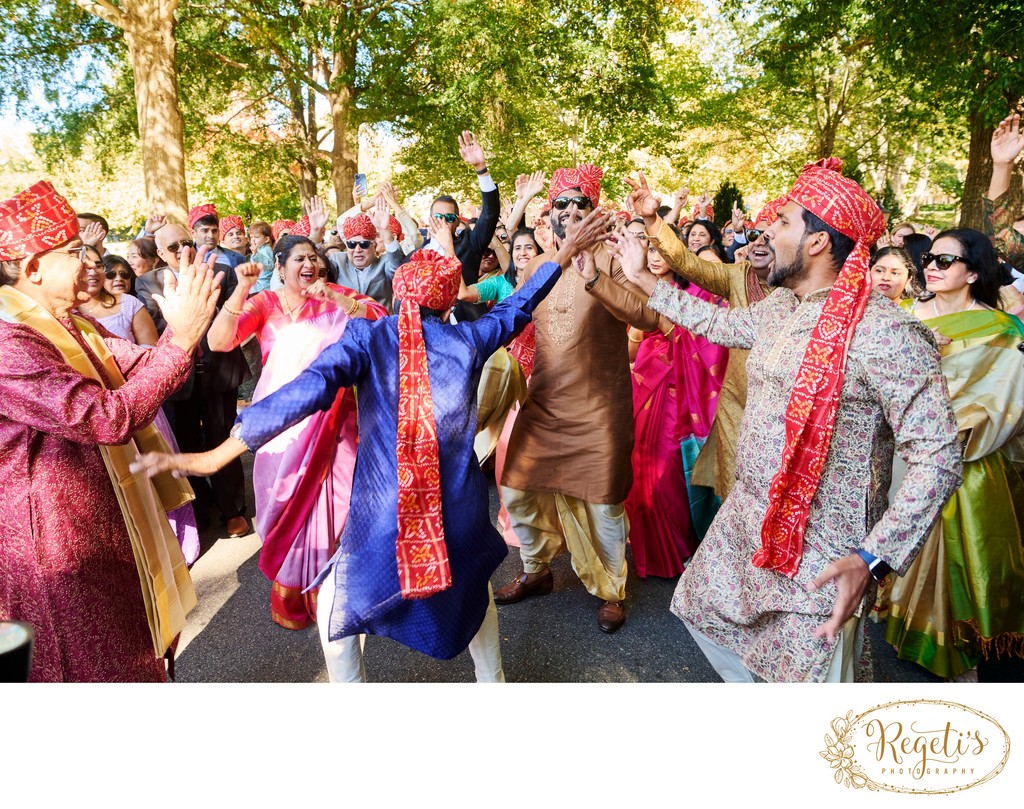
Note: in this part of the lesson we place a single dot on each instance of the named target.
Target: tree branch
(105, 10)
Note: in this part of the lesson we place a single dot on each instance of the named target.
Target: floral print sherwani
(893, 398)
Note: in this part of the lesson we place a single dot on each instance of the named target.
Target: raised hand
(738, 217)
(930, 232)
(317, 214)
(472, 152)
(632, 256)
(581, 236)
(644, 202)
(442, 235)
(521, 182)
(1007, 140)
(390, 196)
(92, 234)
(357, 194)
(380, 215)
(154, 223)
(534, 184)
(705, 205)
(248, 274)
(189, 302)
(682, 197)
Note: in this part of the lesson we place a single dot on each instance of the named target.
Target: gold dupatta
(166, 585)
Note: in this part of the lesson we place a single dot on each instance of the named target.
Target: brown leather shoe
(522, 586)
(238, 527)
(611, 615)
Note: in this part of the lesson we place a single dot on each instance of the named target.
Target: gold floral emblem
(839, 754)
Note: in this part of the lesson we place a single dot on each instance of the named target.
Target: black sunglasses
(561, 203)
(352, 245)
(447, 217)
(125, 275)
(943, 260)
(752, 235)
(174, 247)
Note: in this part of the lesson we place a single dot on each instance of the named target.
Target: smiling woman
(88, 558)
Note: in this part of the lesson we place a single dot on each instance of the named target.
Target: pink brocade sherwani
(66, 563)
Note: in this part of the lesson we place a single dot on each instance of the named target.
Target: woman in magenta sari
(676, 379)
(303, 478)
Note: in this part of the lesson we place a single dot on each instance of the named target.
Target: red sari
(676, 380)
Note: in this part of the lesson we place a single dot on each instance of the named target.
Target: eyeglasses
(334, 232)
(82, 254)
(174, 247)
(943, 261)
(447, 217)
(352, 245)
(752, 235)
(124, 275)
(561, 203)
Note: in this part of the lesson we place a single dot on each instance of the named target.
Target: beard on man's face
(793, 271)
(559, 219)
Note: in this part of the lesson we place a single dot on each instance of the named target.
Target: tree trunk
(307, 177)
(979, 172)
(345, 151)
(149, 30)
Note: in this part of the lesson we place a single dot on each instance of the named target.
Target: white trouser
(841, 669)
(344, 657)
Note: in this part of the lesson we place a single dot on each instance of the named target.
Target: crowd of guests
(597, 362)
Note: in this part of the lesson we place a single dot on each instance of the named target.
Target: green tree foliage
(727, 195)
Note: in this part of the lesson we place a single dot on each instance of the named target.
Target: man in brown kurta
(567, 471)
(742, 284)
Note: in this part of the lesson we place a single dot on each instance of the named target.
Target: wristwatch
(236, 433)
(590, 284)
(878, 568)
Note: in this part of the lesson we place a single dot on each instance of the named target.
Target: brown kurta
(574, 433)
(716, 464)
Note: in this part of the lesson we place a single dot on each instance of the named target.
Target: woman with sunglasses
(111, 306)
(302, 480)
(963, 598)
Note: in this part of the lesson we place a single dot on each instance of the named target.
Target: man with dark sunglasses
(470, 243)
(567, 470)
(360, 268)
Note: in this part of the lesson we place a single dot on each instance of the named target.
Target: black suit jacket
(471, 245)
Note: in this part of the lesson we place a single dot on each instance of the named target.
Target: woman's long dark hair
(981, 258)
(511, 274)
(112, 262)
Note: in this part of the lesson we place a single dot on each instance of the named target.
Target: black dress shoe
(519, 588)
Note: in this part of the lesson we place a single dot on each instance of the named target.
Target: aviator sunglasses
(943, 260)
(174, 247)
(125, 275)
(447, 217)
(752, 235)
(561, 203)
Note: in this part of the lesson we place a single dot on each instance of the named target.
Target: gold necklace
(935, 308)
(287, 306)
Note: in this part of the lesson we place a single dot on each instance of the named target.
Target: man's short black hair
(445, 198)
(209, 219)
(841, 244)
(95, 217)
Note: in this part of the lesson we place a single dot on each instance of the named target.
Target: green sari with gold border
(963, 597)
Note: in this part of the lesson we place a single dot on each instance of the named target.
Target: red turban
(770, 212)
(229, 223)
(587, 178)
(359, 227)
(811, 413)
(36, 220)
(279, 226)
(430, 280)
(302, 227)
(396, 228)
(199, 212)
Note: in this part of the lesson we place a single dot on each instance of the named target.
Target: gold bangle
(230, 311)
(630, 338)
(352, 309)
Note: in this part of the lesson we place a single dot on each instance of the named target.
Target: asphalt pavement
(230, 636)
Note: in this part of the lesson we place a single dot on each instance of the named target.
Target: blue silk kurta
(368, 597)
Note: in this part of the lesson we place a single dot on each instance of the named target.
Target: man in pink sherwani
(71, 395)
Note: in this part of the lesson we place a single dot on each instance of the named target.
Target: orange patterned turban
(36, 220)
(770, 212)
(587, 178)
(199, 212)
(430, 280)
(359, 227)
(302, 227)
(396, 228)
(279, 226)
(229, 223)
(810, 416)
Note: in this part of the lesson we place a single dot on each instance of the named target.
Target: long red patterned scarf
(433, 281)
(814, 402)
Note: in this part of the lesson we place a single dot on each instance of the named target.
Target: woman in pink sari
(676, 380)
(303, 478)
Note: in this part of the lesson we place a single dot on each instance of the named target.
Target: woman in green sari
(963, 597)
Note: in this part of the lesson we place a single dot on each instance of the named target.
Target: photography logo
(917, 746)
